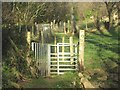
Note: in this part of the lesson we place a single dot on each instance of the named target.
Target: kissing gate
(50, 59)
(60, 57)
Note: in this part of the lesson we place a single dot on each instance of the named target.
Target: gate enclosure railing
(51, 60)
(40, 53)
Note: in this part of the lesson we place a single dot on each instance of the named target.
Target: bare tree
(110, 7)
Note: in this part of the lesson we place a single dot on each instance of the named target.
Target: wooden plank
(63, 61)
(68, 26)
(63, 38)
(28, 38)
(32, 45)
(58, 59)
(49, 60)
(61, 69)
(39, 52)
(52, 45)
(64, 28)
(51, 25)
(71, 48)
(35, 52)
(60, 53)
(54, 69)
(62, 57)
(56, 72)
(53, 53)
(65, 44)
(55, 42)
(63, 65)
(53, 72)
(66, 69)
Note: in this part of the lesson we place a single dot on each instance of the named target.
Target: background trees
(110, 6)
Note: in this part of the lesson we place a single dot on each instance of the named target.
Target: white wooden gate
(62, 61)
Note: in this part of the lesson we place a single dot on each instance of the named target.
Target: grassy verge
(68, 80)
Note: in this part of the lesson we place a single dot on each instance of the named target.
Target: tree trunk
(118, 7)
(110, 21)
(86, 25)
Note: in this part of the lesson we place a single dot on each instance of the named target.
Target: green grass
(58, 81)
(99, 48)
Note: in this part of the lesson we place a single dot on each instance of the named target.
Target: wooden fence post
(63, 39)
(49, 51)
(55, 43)
(81, 49)
(71, 48)
(32, 33)
(51, 25)
(42, 36)
(64, 28)
(57, 58)
(68, 23)
(28, 38)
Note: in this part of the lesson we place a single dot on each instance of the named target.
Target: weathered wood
(28, 38)
(65, 53)
(63, 38)
(63, 65)
(35, 52)
(51, 25)
(68, 23)
(64, 28)
(58, 59)
(32, 33)
(40, 55)
(63, 61)
(49, 60)
(42, 37)
(55, 42)
(81, 49)
(86, 83)
(71, 48)
(54, 21)
(32, 45)
(69, 57)
(65, 69)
